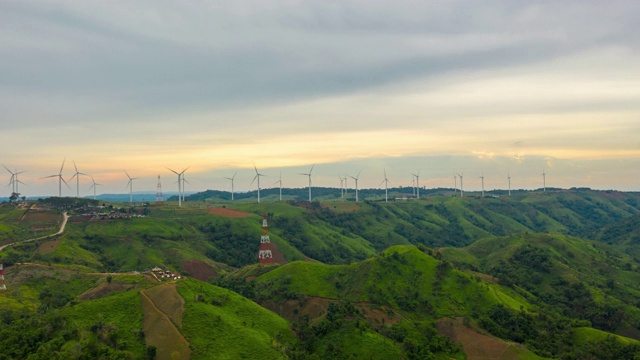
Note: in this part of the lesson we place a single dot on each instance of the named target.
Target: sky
(477, 88)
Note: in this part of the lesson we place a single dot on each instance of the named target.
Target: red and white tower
(264, 255)
(159, 199)
(3, 286)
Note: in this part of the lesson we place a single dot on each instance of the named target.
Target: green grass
(232, 327)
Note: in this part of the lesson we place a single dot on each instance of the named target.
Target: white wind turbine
(180, 183)
(309, 175)
(184, 180)
(14, 182)
(356, 179)
(130, 185)
(413, 185)
(258, 175)
(417, 176)
(232, 179)
(94, 185)
(386, 186)
(482, 178)
(461, 188)
(455, 183)
(509, 179)
(60, 179)
(343, 180)
(77, 176)
(279, 182)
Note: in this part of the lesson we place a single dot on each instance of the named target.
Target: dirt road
(65, 217)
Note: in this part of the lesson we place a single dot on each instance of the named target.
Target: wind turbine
(77, 176)
(180, 184)
(461, 189)
(482, 178)
(417, 184)
(341, 187)
(309, 175)
(232, 178)
(60, 179)
(254, 179)
(455, 184)
(509, 178)
(14, 180)
(184, 180)
(386, 186)
(544, 181)
(130, 185)
(279, 182)
(413, 186)
(94, 186)
(356, 179)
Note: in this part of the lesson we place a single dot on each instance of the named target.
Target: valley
(535, 275)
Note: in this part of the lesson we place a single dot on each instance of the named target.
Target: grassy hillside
(582, 279)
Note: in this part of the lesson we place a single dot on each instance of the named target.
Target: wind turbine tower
(455, 184)
(257, 177)
(279, 182)
(417, 176)
(341, 187)
(14, 181)
(60, 179)
(183, 186)
(232, 178)
(77, 176)
(509, 178)
(309, 175)
(461, 188)
(356, 180)
(386, 186)
(544, 181)
(180, 183)
(482, 179)
(130, 185)
(94, 185)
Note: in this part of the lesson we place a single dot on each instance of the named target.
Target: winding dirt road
(65, 217)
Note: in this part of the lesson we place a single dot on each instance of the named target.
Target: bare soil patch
(48, 247)
(161, 333)
(477, 346)
(198, 270)
(487, 277)
(278, 257)
(36, 217)
(229, 213)
(167, 299)
(104, 290)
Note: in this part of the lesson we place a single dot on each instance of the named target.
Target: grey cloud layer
(78, 62)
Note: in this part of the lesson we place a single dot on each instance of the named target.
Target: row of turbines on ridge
(14, 182)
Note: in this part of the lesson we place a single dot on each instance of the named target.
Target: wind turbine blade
(234, 175)
(173, 171)
(255, 168)
(254, 179)
(74, 166)
(50, 176)
(74, 175)
(358, 174)
(312, 166)
(8, 170)
(62, 167)
(185, 169)
(61, 178)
